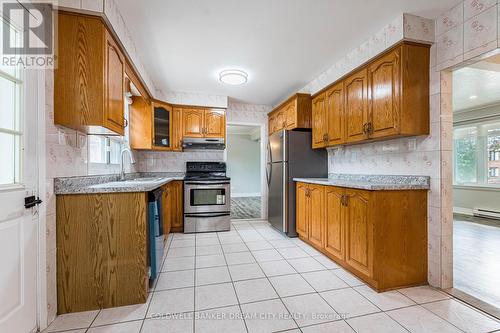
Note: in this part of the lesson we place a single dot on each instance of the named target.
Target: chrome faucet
(122, 165)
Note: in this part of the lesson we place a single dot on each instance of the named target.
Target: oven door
(206, 197)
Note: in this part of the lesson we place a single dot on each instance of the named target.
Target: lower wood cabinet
(101, 251)
(173, 216)
(380, 236)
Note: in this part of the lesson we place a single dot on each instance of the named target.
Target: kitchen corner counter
(134, 182)
(372, 182)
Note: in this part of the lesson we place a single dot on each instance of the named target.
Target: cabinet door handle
(364, 128)
(125, 122)
(369, 128)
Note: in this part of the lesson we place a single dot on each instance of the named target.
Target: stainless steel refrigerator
(289, 155)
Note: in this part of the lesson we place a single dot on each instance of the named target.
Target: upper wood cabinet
(387, 97)
(356, 106)
(319, 122)
(193, 120)
(89, 77)
(215, 123)
(334, 106)
(151, 125)
(293, 113)
(380, 236)
(204, 123)
(177, 129)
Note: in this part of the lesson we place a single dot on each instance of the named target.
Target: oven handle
(207, 183)
(207, 215)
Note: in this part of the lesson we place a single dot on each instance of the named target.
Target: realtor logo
(28, 36)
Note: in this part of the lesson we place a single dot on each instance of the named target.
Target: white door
(18, 179)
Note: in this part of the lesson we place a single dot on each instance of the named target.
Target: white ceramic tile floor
(252, 279)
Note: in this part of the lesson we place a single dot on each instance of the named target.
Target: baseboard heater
(487, 213)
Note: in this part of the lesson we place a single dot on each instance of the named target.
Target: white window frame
(18, 131)
(482, 155)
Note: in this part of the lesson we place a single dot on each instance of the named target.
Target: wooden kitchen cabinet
(359, 231)
(385, 98)
(215, 123)
(380, 236)
(101, 250)
(294, 113)
(334, 109)
(334, 223)
(319, 122)
(151, 125)
(302, 206)
(193, 122)
(204, 123)
(177, 206)
(310, 218)
(317, 215)
(176, 129)
(356, 106)
(89, 77)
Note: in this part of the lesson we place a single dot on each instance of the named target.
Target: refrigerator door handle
(269, 173)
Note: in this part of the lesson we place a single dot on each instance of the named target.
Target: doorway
(243, 158)
(476, 183)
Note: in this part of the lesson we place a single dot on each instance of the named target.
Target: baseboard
(245, 195)
(463, 211)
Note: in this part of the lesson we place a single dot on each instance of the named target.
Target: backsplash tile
(450, 19)
(475, 7)
(450, 45)
(481, 32)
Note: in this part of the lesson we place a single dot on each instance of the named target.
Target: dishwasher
(155, 233)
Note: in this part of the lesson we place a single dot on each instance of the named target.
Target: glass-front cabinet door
(161, 125)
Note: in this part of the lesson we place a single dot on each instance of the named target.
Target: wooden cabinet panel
(384, 80)
(176, 140)
(316, 215)
(167, 210)
(359, 232)
(215, 124)
(319, 122)
(141, 122)
(334, 222)
(101, 251)
(356, 105)
(114, 69)
(193, 120)
(293, 113)
(335, 115)
(177, 215)
(301, 224)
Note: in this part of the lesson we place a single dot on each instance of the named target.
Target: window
(493, 172)
(104, 150)
(11, 129)
(477, 153)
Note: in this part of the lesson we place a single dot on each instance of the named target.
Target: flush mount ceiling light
(472, 96)
(234, 77)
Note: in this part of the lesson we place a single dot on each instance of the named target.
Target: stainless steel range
(207, 197)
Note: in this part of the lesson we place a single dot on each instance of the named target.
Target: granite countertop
(134, 182)
(372, 182)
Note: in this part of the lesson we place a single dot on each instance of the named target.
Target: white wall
(243, 165)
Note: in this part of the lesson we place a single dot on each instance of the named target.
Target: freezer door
(277, 147)
(277, 196)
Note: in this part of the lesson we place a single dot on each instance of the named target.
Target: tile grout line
(269, 281)
(234, 288)
(194, 286)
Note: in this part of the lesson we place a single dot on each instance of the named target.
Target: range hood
(203, 144)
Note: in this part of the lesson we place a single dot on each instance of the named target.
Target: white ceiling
(282, 44)
(482, 80)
